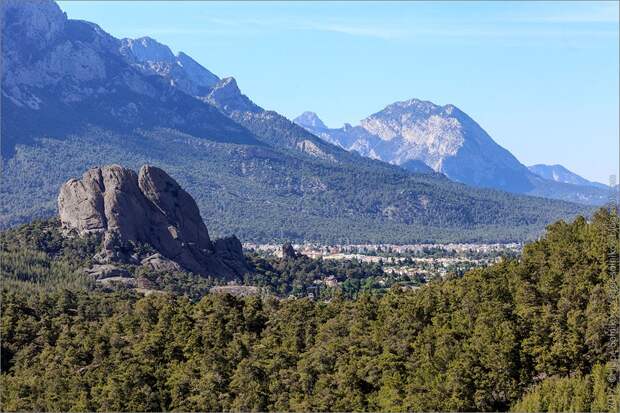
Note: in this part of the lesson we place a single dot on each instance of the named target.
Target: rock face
(58, 73)
(181, 71)
(151, 208)
(442, 137)
(227, 97)
(288, 251)
(423, 137)
(158, 262)
(310, 120)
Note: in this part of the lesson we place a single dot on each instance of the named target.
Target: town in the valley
(407, 266)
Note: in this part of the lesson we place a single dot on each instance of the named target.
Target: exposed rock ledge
(149, 208)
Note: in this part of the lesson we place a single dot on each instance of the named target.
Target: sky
(542, 78)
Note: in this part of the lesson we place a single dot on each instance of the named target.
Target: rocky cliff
(443, 137)
(180, 71)
(150, 208)
(449, 141)
(60, 74)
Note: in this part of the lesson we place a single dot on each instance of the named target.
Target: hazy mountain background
(558, 173)
(450, 142)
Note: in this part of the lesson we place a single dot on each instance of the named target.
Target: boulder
(149, 207)
(159, 263)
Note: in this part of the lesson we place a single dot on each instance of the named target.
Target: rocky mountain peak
(46, 56)
(196, 72)
(148, 207)
(441, 137)
(559, 173)
(226, 96)
(181, 71)
(416, 104)
(147, 49)
(310, 120)
(404, 111)
(228, 85)
(38, 22)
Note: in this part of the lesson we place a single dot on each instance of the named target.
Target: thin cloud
(357, 30)
(230, 26)
(254, 26)
(581, 13)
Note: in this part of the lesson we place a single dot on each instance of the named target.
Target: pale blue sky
(541, 78)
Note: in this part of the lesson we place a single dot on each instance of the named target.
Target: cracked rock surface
(148, 207)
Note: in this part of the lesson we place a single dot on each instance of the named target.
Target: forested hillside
(263, 194)
(529, 334)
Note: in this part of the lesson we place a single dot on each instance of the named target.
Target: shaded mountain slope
(152, 57)
(60, 74)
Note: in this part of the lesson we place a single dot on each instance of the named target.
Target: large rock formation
(145, 208)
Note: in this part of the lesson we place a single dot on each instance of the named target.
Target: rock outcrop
(227, 97)
(158, 262)
(146, 208)
(103, 271)
(288, 251)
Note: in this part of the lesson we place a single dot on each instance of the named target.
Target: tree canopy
(533, 333)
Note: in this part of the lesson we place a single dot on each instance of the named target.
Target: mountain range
(448, 141)
(74, 97)
(559, 173)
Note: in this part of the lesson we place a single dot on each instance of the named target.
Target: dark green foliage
(38, 255)
(577, 393)
(265, 194)
(533, 333)
(188, 284)
(298, 276)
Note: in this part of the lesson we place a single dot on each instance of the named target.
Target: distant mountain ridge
(448, 141)
(184, 73)
(558, 173)
(181, 70)
(60, 74)
(444, 138)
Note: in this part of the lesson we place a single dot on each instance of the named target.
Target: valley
(168, 244)
(221, 346)
(399, 266)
